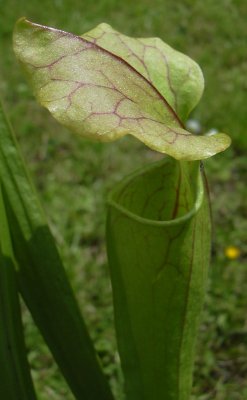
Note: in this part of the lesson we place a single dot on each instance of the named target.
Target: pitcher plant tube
(104, 85)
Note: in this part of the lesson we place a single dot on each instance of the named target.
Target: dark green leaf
(42, 279)
(15, 378)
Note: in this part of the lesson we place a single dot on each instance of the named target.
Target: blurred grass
(73, 177)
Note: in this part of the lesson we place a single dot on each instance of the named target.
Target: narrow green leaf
(99, 95)
(158, 239)
(15, 379)
(42, 279)
(176, 76)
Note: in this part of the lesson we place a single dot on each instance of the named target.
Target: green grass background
(73, 177)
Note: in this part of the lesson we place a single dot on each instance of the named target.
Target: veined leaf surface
(158, 244)
(99, 95)
(177, 77)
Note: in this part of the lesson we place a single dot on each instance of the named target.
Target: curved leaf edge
(200, 192)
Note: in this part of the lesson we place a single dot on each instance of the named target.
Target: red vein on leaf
(164, 57)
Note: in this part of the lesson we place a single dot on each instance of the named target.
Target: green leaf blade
(42, 280)
(15, 382)
(99, 95)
